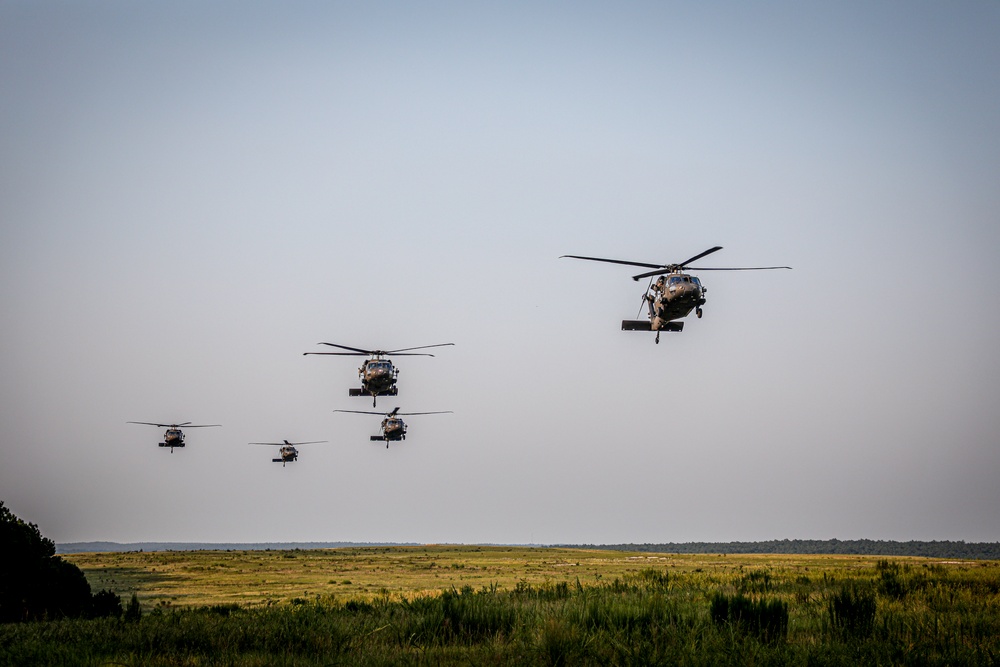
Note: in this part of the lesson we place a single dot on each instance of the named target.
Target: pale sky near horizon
(192, 195)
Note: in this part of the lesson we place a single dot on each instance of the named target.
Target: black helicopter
(378, 375)
(393, 428)
(287, 453)
(174, 437)
(674, 294)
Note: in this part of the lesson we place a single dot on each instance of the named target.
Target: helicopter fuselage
(673, 297)
(393, 429)
(174, 437)
(378, 378)
(287, 454)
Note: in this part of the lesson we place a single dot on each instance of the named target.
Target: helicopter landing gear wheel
(698, 313)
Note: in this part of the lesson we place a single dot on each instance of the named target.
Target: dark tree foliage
(37, 584)
(106, 603)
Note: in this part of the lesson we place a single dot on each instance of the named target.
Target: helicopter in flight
(287, 453)
(378, 375)
(674, 294)
(174, 437)
(393, 428)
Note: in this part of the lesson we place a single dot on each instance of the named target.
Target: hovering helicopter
(287, 453)
(674, 294)
(393, 428)
(378, 376)
(174, 437)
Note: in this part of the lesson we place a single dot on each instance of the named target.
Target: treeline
(934, 549)
(108, 547)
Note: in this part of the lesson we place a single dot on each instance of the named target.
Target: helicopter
(393, 428)
(674, 294)
(287, 453)
(378, 375)
(174, 437)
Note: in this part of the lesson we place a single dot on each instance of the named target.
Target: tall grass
(648, 617)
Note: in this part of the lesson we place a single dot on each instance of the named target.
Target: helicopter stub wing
(357, 391)
(646, 325)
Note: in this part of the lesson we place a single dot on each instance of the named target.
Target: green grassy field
(200, 578)
(513, 605)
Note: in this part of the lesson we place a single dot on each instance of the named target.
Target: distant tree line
(36, 584)
(933, 549)
(108, 547)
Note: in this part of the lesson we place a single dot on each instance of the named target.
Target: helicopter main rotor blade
(362, 412)
(185, 425)
(616, 261)
(279, 444)
(734, 268)
(439, 412)
(339, 354)
(198, 425)
(421, 347)
(409, 354)
(356, 350)
(706, 268)
(699, 256)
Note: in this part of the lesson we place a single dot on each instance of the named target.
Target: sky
(192, 195)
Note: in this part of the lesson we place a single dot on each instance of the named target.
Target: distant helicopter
(287, 453)
(174, 437)
(378, 376)
(393, 428)
(674, 294)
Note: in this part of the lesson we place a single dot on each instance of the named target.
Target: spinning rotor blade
(670, 268)
(707, 268)
(615, 261)
(339, 354)
(185, 425)
(354, 351)
(440, 412)
(421, 347)
(279, 444)
(699, 256)
(362, 412)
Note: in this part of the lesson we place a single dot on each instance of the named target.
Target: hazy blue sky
(194, 194)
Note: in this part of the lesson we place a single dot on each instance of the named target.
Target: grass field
(514, 605)
(200, 578)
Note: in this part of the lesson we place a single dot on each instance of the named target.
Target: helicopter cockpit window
(675, 280)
